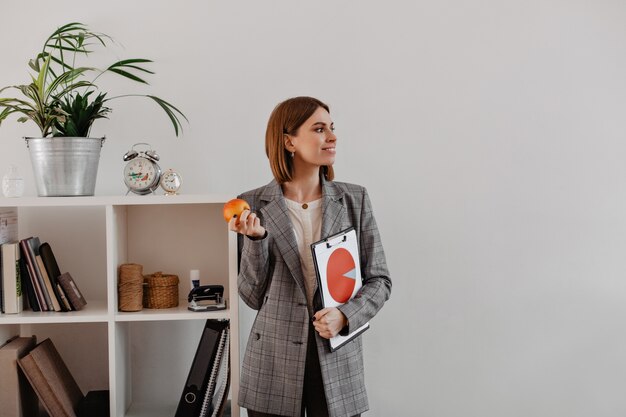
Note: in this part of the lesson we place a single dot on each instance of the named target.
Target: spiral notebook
(338, 272)
(219, 380)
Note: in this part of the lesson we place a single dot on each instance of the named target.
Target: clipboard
(338, 272)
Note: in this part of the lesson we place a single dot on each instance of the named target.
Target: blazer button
(258, 336)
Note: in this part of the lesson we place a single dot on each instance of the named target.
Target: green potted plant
(64, 103)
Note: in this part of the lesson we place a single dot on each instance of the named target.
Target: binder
(338, 271)
(191, 400)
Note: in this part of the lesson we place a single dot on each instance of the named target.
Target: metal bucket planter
(65, 167)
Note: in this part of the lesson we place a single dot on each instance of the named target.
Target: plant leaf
(127, 75)
(170, 110)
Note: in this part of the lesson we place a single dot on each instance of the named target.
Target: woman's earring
(292, 154)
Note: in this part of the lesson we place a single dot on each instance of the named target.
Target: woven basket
(160, 290)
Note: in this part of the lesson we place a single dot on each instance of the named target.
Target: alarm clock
(142, 174)
(171, 182)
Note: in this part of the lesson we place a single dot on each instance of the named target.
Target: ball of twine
(130, 287)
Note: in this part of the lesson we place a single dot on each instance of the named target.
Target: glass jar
(12, 183)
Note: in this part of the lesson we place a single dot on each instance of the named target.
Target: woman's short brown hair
(287, 118)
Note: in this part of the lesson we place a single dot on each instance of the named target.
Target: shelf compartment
(163, 351)
(77, 238)
(173, 239)
(83, 347)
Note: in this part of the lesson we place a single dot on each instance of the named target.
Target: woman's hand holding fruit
(241, 220)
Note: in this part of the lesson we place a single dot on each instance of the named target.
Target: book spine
(8, 233)
(44, 274)
(64, 300)
(33, 275)
(12, 286)
(33, 247)
(28, 285)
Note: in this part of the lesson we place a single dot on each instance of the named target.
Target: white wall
(489, 133)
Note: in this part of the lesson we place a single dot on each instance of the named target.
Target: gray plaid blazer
(271, 281)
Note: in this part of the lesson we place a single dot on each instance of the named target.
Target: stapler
(207, 298)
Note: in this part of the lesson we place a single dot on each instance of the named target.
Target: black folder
(192, 397)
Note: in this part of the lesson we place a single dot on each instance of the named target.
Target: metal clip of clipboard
(336, 242)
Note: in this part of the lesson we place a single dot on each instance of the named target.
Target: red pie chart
(341, 275)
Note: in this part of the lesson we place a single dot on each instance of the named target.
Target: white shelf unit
(143, 357)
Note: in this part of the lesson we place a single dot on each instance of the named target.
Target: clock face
(171, 181)
(141, 174)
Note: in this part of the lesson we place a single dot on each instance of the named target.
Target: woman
(288, 366)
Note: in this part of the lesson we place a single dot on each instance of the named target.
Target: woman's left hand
(329, 322)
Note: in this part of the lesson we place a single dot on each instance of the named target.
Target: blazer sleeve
(376, 287)
(253, 271)
(254, 266)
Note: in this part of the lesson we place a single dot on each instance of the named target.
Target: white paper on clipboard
(338, 271)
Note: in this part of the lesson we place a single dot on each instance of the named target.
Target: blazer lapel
(278, 223)
(333, 210)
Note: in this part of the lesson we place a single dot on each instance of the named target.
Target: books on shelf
(8, 233)
(11, 282)
(36, 283)
(32, 245)
(56, 387)
(17, 398)
(205, 390)
(44, 286)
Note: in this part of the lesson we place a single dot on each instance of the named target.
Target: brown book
(52, 380)
(71, 291)
(16, 395)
